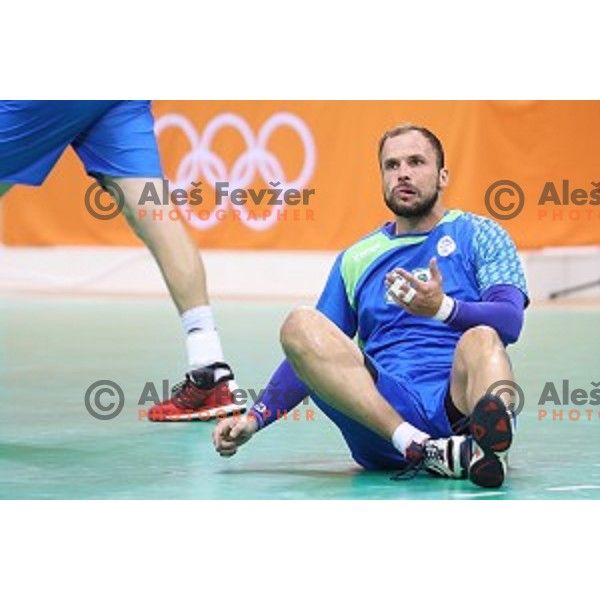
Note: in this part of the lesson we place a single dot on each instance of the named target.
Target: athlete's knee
(480, 339)
(297, 330)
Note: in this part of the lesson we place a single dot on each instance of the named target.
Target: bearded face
(405, 200)
(412, 180)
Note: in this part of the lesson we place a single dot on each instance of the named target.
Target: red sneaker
(199, 397)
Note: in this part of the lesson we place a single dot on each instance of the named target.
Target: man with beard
(433, 298)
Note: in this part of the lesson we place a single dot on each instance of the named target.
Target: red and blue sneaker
(204, 394)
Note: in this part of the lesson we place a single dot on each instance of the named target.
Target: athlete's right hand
(232, 432)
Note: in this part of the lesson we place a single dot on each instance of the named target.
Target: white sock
(203, 344)
(200, 317)
(405, 434)
(203, 348)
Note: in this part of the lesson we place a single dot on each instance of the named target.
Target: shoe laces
(432, 452)
(182, 393)
(429, 453)
(408, 471)
(412, 467)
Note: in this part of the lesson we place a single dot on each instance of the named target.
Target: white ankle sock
(405, 434)
(203, 348)
(203, 344)
(200, 317)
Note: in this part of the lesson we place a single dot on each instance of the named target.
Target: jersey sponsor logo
(359, 256)
(446, 246)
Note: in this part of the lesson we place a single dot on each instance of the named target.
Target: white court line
(572, 488)
(479, 494)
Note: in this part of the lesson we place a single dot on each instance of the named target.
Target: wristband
(445, 310)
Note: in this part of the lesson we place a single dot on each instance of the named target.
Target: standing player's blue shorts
(111, 137)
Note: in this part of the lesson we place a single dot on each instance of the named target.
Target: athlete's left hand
(427, 297)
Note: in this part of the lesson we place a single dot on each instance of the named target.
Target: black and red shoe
(201, 396)
(491, 426)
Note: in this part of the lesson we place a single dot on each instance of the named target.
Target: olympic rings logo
(202, 163)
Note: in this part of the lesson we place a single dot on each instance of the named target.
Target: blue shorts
(422, 398)
(111, 137)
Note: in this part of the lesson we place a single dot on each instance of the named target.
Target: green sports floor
(53, 348)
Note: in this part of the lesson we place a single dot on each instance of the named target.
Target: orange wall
(530, 142)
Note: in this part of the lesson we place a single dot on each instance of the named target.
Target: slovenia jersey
(473, 254)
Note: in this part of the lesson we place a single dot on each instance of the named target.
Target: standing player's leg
(176, 254)
(180, 264)
(333, 367)
(206, 390)
(480, 361)
(121, 147)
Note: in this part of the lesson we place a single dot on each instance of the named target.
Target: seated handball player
(116, 143)
(433, 298)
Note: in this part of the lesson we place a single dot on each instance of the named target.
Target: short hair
(429, 135)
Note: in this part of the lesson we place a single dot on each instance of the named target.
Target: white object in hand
(396, 290)
(410, 294)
